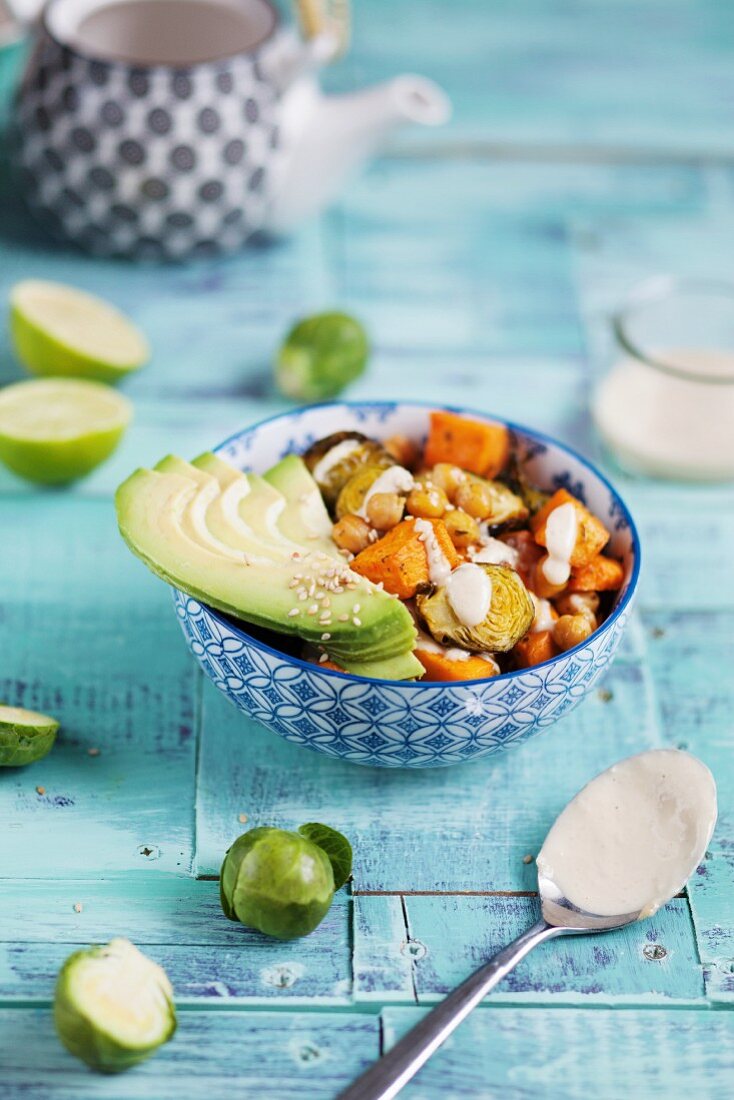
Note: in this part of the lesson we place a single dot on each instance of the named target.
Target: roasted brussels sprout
(532, 497)
(351, 498)
(509, 617)
(320, 356)
(333, 460)
(506, 507)
(282, 883)
(25, 736)
(113, 1007)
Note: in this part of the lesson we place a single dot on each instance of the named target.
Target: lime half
(58, 330)
(25, 736)
(55, 430)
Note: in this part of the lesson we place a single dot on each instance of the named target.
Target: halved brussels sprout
(351, 498)
(510, 614)
(113, 1006)
(25, 736)
(333, 460)
(507, 507)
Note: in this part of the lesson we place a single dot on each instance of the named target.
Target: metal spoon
(559, 917)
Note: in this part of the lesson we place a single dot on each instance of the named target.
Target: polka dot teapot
(168, 129)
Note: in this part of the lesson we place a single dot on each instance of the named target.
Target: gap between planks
(434, 893)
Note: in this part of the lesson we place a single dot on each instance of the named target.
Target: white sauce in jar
(395, 479)
(633, 836)
(544, 618)
(668, 426)
(469, 592)
(561, 529)
(439, 567)
(334, 456)
(495, 552)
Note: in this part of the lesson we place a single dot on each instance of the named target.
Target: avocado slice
(164, 516)
(306, 519)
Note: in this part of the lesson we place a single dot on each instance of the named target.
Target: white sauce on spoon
(632, 837)
(469, 592)
(439, 566)
(395, 479)
(561, 530)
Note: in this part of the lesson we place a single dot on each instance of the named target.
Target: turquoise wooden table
(592, 145)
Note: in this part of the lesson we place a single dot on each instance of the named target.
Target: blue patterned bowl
(407, 725)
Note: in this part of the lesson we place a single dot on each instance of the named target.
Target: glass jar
(666, 407)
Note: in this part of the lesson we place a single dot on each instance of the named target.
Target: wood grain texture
(419, 948)
(214, 1054)
(179, 922)
(559, 1053)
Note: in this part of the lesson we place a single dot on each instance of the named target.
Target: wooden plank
(691, 658)
(563, 1054)
(258, 1054)
(89, 636)
(179, 922)
(449, 937)
(460, 828)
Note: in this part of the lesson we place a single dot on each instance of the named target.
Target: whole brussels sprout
(320, 356)
(113, 1006)
(283, 883)
(25, 736)
(336, 458)
(510, 615)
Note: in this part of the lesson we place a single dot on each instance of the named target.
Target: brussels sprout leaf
(336, 846)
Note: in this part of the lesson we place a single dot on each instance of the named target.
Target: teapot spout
(330, 137)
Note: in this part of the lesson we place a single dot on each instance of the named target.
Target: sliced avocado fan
(220, 536)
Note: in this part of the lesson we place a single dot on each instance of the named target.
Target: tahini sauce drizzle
(633, 836)
(333, 457)
(439, 567)
(561, 530)
(469, 592)
(395, 479)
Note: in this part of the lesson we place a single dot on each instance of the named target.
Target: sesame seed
(242, 819)
(327, 602)
(323, 658)
(313, 609)
(343, 618)
(325, 637)
(78, 907)
(356, 621)
(40, 790)
(303, 595)
(357, 607)
(527, 859)
(92, 752)
(293, 612)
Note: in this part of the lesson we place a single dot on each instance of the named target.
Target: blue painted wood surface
(591, 146)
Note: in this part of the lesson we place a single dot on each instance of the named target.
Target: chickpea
(571, 630)
(403, 450)
(475, 498)
(447, 477)
(463, 528)
(385, 510)
(427, 503)
(351, 533)
(540, 584)
(579, 603)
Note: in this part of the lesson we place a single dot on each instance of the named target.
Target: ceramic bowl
(407, 725)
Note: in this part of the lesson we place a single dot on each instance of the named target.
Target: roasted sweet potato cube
(399, 560)
(480, 446)
(601, 574)
(591, 537)
(535, 648)
(439, 667)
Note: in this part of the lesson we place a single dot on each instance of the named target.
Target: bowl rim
(416, 685)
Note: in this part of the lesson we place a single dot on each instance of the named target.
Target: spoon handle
(387, 1077)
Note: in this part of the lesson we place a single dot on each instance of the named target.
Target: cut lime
(58, 330)
(25, 736)
(58, 429)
